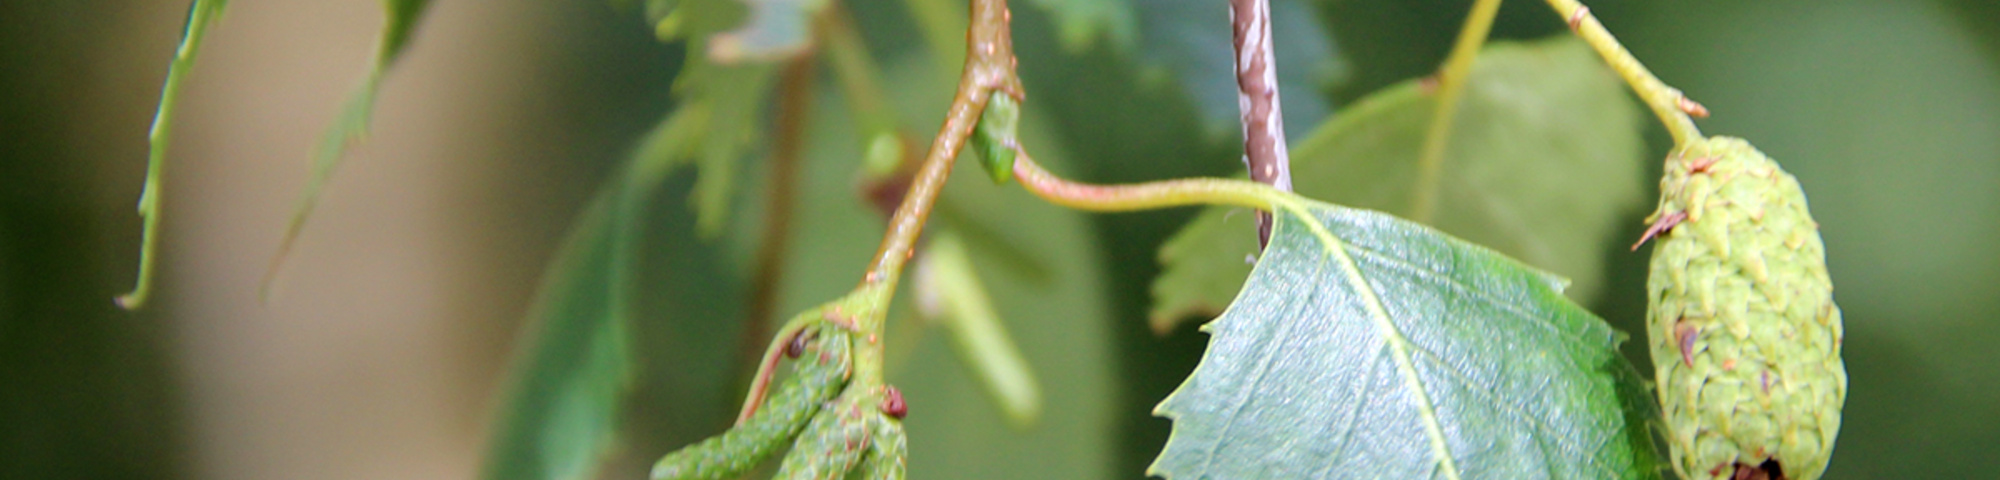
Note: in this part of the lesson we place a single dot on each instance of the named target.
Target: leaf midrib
(1399, 345)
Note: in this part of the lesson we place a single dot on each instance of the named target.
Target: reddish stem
(1257, 95)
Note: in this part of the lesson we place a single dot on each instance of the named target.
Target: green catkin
(820, 374)
(832, 445)
(888, 447)
(1745, 335)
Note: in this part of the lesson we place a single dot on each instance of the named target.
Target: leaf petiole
(1450, 88)
(1668, 103)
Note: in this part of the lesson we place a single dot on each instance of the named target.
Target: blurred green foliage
(1888, 112)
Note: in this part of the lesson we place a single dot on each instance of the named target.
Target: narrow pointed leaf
(1367, 346)
(352, 124)
(1546, 164)
(201, 14)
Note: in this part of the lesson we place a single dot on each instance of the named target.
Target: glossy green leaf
(559, 417)
(1367, 346)
(1188, 41)
(352, 124)
(1545, 163)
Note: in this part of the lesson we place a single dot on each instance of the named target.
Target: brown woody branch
(1257, 97)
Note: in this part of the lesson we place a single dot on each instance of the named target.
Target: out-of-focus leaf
(723, 103)
(1545, 164)
(1367, 346)
(558, 420)
(1081, 23)
(775, 30)
(948, 292)
(1057, 313)
(352, 124)
(201, 14)
(1189, 41)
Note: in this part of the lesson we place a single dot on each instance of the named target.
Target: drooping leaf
(1545, 164)
(352, 124)
(558, 419)
(201, 14)
(1189, 41)
(1367, 346)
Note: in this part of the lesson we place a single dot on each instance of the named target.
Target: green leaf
(947, 291)
(1545, 163)
(352, 124)
(1080, 23)
(720, 114)
(775, 30)
(558, 419)
(1367, 346)
(201, 14)
(1189, 42)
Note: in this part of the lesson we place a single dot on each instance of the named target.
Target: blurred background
(387, 340)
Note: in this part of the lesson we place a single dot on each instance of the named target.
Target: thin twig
(1257, 97)
(1667, 103)
(1451, 87)
(989, 67)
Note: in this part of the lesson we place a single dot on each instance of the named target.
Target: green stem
(1450, 88)
(1667, 103)
(989, 66)
(1143, 196)
(795, 90)
(200, 15)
